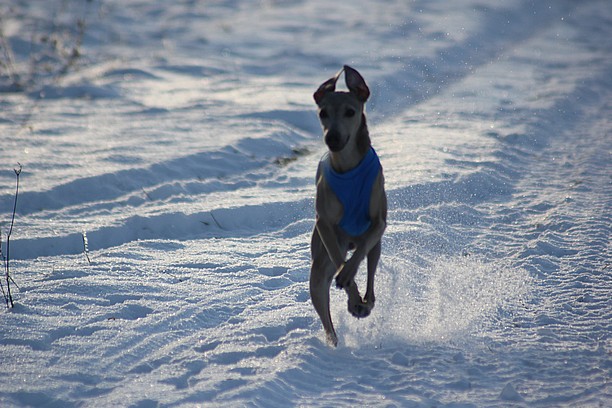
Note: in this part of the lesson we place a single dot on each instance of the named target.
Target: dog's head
(341, 113)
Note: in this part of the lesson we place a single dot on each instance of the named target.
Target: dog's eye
(349, 113)
(323, 114)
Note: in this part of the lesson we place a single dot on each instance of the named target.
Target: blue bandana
(354, 188)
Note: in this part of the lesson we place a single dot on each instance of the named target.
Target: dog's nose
(333, 140)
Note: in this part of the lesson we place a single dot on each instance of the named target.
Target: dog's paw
(360, 309)
(332, 339)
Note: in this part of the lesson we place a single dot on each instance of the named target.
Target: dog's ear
(356, 84)
(326, 87)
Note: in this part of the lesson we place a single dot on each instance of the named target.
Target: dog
(351, 203)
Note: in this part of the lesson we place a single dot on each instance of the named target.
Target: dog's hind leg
(319, 294)
(321, 275)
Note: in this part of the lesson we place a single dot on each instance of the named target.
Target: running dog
(351, 204)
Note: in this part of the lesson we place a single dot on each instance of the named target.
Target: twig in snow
(86, 246)
(8, 296)
(4, 294)
(215, 220)
(146, 194)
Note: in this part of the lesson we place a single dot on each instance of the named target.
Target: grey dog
(351, 204)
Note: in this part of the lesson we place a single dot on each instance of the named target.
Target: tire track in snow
(501, 29)
(246, 156)
(246, 220)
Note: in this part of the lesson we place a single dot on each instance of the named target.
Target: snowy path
(184, 144)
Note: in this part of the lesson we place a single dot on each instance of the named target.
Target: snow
(183, 141)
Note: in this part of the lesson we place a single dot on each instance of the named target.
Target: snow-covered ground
(181, 138)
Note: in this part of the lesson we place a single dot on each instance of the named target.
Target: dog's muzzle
(334, 140)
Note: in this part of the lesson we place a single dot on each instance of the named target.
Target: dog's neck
(354, 152)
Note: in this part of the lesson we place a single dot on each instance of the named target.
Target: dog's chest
(354, 189)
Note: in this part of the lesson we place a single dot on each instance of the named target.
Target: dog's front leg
(357, 306)
(364, 246)
(329, 213)
(373, 258)
(330, 242)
